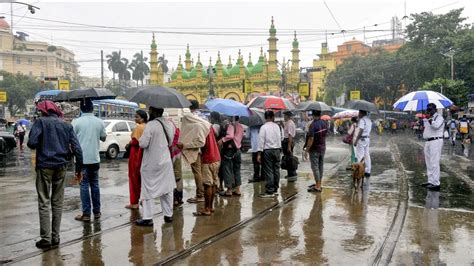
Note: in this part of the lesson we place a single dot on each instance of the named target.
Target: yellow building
(321, 68)
(328, 62)
(198, 81)
(36, 59)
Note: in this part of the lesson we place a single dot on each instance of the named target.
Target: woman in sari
(135, 160)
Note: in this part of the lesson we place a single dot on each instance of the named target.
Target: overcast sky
(209, 27)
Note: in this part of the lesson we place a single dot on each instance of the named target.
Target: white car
(118, 136)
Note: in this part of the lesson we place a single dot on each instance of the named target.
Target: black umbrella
(81, 94)
(312, 105)
(160, 97)
(256, 118)
(363, 105)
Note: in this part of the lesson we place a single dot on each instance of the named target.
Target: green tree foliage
(139, 67)
(422, 59)
(118, 65)
(453, 89)
(20, 88)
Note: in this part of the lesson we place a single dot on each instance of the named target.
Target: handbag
(348, 138)
(289, 162)
(126, 154)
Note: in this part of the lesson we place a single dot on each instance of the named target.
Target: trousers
(363, 151)
(90, 179)
(230, 168)
(271, 170)
(166, 202)
(256, 167)
(50, 189)
(197, 172)
(284, 146)
(432, 156)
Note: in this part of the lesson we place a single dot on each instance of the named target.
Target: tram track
(384, 252)
(216, 237)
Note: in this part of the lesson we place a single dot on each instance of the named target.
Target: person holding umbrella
(157, 167)
(433, 136)
(362, 142)
(89, 130)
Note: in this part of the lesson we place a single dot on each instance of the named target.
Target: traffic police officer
(433, 136)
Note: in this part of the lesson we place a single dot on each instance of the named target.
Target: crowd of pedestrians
(159, 148)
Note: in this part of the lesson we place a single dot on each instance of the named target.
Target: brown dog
(358, 171)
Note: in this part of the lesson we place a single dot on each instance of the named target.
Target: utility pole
(102, 67)
(452, 65)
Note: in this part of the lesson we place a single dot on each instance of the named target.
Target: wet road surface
(337, 226)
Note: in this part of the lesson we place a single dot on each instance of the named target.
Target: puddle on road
(455, 193)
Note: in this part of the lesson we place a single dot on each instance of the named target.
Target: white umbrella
(418, 101)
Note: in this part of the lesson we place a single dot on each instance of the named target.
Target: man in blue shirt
(89, 130)
(54, 141)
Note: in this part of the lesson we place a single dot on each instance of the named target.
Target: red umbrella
(325, 117)
(271, 102)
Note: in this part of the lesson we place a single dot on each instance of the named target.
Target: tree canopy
(422, 62)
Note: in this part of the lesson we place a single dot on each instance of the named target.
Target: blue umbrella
(228, 107)
(23, 122)
(418, 100)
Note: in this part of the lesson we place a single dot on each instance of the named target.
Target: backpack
(222, 133)
(463, 129)
(453, 124)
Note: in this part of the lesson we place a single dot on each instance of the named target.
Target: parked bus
(115, 109)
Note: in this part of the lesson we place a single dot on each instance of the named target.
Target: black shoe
(43, 244)
(55, 243)
(433, 187)
(425, 184)
(367, 174)
(142, 222)
(168, 219)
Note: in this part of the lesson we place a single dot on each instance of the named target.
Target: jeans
(317, 164)
(271, 170)
(230, 168)
(284, 146)
(50, 180)
(90, 178)
(256, 167)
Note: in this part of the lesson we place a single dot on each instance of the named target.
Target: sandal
(195, 200)
(132, 206)
(313, 185)
(314, 189)
(201, 213)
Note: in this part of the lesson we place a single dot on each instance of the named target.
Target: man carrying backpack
(453, 131)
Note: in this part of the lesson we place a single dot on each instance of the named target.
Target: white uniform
(433, 135)
(362, 148)
(157, 168)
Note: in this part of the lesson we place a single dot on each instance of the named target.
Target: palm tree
(140, 67)
(123, 73)
(113, 62)
(163, 63)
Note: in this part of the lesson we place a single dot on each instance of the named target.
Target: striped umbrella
(418, 101)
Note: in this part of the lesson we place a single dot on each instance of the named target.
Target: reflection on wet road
(337, 226)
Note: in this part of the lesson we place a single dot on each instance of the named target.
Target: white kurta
(157, 167)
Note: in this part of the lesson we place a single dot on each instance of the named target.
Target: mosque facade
(237, 81)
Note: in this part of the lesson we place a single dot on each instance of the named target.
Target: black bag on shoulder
(289, 162)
